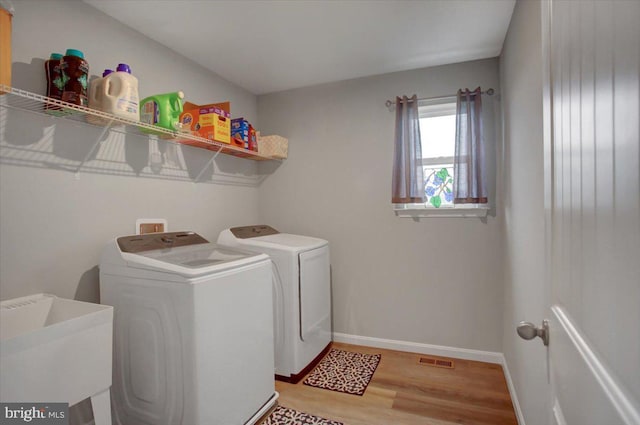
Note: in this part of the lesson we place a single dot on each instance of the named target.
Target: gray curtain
(469, 169)
(408, 182)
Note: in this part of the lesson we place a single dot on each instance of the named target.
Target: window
(438, 133)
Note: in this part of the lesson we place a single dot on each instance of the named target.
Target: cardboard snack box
(240, 132)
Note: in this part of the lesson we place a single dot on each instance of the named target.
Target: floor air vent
(431, 361)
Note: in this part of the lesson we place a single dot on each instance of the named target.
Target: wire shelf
(23, 100)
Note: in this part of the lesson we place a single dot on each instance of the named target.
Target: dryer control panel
(151, 241)
(246, 232)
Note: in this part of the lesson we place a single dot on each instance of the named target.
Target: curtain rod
(389, 103)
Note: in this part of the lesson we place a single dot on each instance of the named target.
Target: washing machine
(301, 294)
(193, 341)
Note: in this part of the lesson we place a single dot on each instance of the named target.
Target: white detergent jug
(97, 98)
(119, 94)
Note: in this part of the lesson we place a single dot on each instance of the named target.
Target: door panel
(586, 390)
(594, 212)
(315, 292)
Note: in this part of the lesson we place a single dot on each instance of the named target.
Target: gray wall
(435, 281)
(53, 225)
(524, 293)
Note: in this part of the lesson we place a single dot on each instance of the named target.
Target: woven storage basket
(273, 146)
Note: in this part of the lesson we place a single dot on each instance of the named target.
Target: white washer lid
(193, 260)
(285, 241)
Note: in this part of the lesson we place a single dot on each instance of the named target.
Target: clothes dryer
(302, 294)
(193, 341)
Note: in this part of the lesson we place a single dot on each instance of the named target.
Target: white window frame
(436, 108)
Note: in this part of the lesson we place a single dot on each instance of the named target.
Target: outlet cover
(151, 225)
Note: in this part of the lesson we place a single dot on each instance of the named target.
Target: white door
(593, 210)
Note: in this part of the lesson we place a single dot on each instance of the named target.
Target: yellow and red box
(211, 121)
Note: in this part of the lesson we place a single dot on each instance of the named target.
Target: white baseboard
(438, 350)
(512, 391)
(420, 348)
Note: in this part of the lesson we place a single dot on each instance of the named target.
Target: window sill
(419, 210)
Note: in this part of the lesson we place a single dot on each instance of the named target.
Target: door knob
(528, 330)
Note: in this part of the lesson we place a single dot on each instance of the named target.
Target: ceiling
(266, 46)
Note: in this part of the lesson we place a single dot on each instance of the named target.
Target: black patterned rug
(285, 416)
(344, 371)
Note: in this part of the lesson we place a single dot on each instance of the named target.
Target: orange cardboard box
(211, 121)
(5, 47)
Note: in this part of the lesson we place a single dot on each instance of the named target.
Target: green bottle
(162, 110)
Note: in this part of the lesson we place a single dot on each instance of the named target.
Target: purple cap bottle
(123, 67)
(106, 72)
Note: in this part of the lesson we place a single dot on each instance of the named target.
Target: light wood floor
(405, 392)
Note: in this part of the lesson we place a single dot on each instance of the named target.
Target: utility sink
(56, 350)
